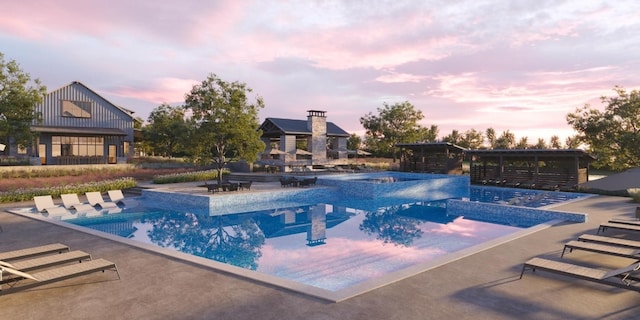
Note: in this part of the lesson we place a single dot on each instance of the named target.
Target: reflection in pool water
(322, 245)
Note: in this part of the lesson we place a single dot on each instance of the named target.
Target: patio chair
(71, 201)
(46, 261)
(45, 204)
(610, 240)
(601, 248)
(212, 187)
(618, 226)
(95, 199)
(33, 251)
(117, 197)
(246, 185)
(621, 278)
(55, 274)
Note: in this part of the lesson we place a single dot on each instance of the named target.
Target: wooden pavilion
(439, 157)
(551, 169)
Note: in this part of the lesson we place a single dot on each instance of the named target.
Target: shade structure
(276, 152)
(359, 152)
(303, 152)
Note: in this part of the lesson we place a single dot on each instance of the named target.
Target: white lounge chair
(71, 201)
(95, 199)
(117, 197)
(45, 204)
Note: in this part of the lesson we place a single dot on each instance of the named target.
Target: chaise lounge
(33, 251)
(44, 204)
(117, 197)
(46, 261)
(55, 274)
(95, 199)
(601, 248)
(72, 202)
(610, 240)
(621, 278)
(618, 226)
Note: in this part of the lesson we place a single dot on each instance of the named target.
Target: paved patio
(481, 286)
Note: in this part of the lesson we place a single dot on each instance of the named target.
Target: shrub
(634, 193)
(187, 176)
(102, 186)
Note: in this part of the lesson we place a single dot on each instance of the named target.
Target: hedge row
(102, 186)
(187, 176)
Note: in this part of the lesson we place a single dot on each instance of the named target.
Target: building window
(63, 146)
(76, 109)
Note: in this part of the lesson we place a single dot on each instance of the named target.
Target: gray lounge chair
(618, 226)
(631, 222)
(33, 251)
(610, 240)
(56, 274)
(601, 248)
(46, 261)
(95, 199)
(621, 278)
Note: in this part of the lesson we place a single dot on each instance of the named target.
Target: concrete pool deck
(484, 285)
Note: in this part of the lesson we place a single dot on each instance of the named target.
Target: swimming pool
(330, 249)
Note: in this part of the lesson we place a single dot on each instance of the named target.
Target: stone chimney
(317, 124)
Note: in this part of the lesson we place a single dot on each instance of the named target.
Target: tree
(541, 144)
(491, 137)
(554, 143)
(226, 122)
(428, 134)
(454, 137)
(167, 130)
(612, 135)
(17, 103)
(523, 143)
(473, 139)
(354, 142)
(506, 140)
(394, 124)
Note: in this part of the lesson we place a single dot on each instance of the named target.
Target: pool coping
(328, 295)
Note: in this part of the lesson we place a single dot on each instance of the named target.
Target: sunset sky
(509, 65)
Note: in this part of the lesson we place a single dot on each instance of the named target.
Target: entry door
(112, 153)
(42, 152)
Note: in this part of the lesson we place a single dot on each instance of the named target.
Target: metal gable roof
(272, 126)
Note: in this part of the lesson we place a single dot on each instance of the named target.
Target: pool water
(321, 245)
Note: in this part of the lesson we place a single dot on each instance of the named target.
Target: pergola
(534, 168)
(439, 157)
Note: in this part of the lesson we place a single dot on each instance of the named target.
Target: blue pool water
(322, 245)
(339, 235)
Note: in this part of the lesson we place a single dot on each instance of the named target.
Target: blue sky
(509, 65)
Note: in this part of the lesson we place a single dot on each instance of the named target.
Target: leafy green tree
(491, 137)
(541, 144)
(506, 141)
(613, 135)
(393, 124)
(473, 139)
(454, 137)
(523, 143)
(166, 130)
(554, 143)
(225, 120)
(354, 142)
(572, 142)
(18, 99)
(428, 134)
